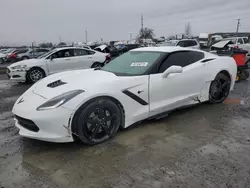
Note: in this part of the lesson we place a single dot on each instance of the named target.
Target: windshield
(132, 63)
(46, 54)
(168, 43)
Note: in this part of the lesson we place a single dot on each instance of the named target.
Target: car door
(178, 89)
(83, 58)
(61, 60)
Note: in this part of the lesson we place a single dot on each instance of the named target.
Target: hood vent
(56, 84)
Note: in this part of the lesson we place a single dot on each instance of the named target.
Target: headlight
(59, 100)
(19, 67)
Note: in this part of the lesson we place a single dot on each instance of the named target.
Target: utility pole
(238, 25)
(142, 29)
(130, 36)
(86, 35)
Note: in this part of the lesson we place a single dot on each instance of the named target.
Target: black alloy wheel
(98, 121)
(219, 88)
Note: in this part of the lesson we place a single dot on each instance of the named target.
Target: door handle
(66, 59)
(89, 57)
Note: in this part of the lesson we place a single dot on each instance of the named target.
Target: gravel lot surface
(203, 146)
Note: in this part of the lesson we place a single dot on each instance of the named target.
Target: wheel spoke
(95, 131)
(224, 85)
(92, 121)
(105, 129)
(109, 118)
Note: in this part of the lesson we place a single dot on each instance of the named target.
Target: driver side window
(63, 54)
(181, 59)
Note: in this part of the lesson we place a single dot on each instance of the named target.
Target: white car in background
(238, 42)
(186, 43)
(57, 60)
(92, 104)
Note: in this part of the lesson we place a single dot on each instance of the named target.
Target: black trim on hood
(56, 84)
(135, 97)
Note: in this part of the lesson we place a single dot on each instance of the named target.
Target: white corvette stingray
(92, 104)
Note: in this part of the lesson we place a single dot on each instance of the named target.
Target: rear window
(132, 63)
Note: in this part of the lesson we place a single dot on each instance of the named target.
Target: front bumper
(17, 75)
(49, 125)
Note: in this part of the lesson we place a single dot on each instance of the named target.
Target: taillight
(108, 58)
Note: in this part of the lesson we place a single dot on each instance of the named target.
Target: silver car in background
(32, 53)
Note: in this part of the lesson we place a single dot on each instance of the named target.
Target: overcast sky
(24, 21)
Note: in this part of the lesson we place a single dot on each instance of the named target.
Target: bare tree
(188, 29)
(146, 33)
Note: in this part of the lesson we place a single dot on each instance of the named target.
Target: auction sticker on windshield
(139, 64)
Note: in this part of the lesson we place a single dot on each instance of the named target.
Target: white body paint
(161, 94)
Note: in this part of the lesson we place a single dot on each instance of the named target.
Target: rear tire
(219, 88)
(25, 57)
(34, 75)
(96, 65)
(97, 121)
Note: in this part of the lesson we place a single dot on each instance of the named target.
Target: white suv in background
(57, 60)
(188, 43)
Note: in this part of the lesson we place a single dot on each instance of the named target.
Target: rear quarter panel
(222, 63)
(99, 57)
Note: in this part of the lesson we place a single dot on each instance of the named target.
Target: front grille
(27, 124)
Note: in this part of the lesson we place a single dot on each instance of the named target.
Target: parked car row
(14, 55)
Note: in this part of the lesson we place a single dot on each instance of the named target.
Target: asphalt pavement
(202, 146)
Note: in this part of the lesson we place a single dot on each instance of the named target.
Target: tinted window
(21, 51)
(181, 59)
(81, 52)
(63, 53)
(132, 63)
(41, 50)
(181, 44)
(90, 52)
(240, 41)
(191, 43)
(245, 40)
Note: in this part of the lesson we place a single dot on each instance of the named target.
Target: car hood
(60, 83)
(221, 44)
(28, 62)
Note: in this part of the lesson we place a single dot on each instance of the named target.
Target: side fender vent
(56, 84)
(206, 60)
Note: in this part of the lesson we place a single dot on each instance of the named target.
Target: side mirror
(172, 69)
(51, 57)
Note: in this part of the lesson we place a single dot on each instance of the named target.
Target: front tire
(34, 75)
(97, 121)
(219, 88)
